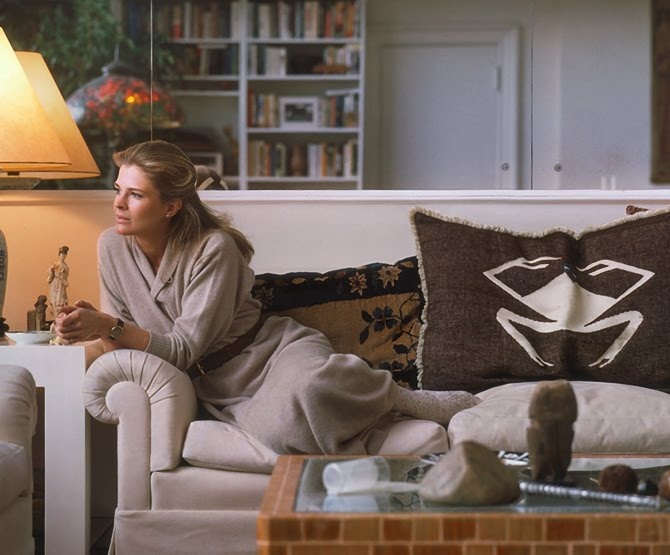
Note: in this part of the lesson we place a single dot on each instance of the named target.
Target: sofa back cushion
(505, 306)
(602, 426)
(372, 311)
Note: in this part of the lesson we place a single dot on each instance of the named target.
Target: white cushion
(612, 418)
(215, 444)
(220, 445)
(408, 436)
(14, 473)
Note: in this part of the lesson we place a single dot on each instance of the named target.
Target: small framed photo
(298, 112)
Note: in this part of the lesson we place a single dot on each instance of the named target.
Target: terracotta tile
(478, 549)
(491, 528)
(436, 549)
(282, 529)
(321, 529)
(551, 549)
(360, 529)
(624, 549)
(611, 528)
(565, 529)
(397, 529)
(525, 529)
(329, 549)
(652, 530)
(391, 549)
(455, 528)
(427, 529)
(583, 549)
(513, 549)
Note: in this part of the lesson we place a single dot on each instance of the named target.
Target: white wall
(290, 230)
(584, 83)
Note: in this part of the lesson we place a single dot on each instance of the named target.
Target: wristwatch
(117, 330)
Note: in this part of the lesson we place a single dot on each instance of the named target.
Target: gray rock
(470, 474)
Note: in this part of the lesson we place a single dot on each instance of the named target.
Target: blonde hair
(171, 171)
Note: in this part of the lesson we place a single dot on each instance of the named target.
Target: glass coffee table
(298, 514)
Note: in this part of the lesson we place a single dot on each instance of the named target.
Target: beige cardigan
(288, 388)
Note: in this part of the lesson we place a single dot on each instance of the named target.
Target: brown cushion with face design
(504, 306)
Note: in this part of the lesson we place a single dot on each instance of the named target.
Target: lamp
(38, 138)
(28, 140)
(120, 101)
(82, 163)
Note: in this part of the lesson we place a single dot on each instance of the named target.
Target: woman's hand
(81, 322)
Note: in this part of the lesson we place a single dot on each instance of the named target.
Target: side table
(60, 371)
(294, 518)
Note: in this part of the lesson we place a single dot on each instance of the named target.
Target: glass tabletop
(311, 495)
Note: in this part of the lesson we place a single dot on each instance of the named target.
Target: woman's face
(138, 207)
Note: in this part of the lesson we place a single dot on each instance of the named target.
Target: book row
(281, 60)
(283, 19)
(198, 20)
(338, 108)
(312, 160)
(205, 60)
(308, 19)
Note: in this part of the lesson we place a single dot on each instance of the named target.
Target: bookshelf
(286, 77)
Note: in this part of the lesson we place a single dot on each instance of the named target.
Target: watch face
(116, 331)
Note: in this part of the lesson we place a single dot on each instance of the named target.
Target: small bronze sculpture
(552, 413)
(41, 313)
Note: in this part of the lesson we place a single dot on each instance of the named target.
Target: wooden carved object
(552, 413)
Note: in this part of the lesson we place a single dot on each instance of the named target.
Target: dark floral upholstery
(372, 311)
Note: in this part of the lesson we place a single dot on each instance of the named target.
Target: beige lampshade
(28, 141)
(83, 164)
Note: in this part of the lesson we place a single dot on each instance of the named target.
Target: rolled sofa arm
(153, 403)
(18, 405)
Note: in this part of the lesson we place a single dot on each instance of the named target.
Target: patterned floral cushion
(372, 311)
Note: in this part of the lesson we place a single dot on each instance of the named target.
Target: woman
(176, 282)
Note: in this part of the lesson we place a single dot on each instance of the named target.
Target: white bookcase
(286, 76)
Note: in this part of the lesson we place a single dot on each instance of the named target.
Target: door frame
(506, 41)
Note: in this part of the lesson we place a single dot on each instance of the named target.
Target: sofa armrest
(153, 403)
(18, 405)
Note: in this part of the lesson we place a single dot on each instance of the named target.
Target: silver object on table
(579, 494)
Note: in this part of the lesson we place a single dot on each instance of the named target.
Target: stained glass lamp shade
(119, 101)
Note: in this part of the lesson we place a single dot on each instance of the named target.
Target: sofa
(18, 418)
(461, 296)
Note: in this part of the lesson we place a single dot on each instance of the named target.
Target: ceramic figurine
(58, 281)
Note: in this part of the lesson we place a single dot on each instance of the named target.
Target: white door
(436, 111)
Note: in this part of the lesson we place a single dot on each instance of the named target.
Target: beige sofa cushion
(612, 418)
(14, 473)
(224, 446)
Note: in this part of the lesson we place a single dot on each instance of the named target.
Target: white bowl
(30, 337)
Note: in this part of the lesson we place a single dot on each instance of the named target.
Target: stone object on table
(470, 475)
(618, 478)
(552, 412)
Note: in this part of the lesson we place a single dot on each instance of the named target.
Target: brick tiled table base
(281, 531)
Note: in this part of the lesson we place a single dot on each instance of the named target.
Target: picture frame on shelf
(298, 112)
